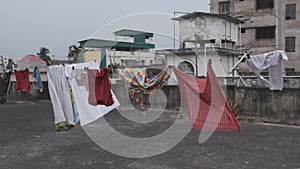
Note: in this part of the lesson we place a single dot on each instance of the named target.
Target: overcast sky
(26, 25)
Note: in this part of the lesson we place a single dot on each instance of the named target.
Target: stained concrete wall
(261, 102)
(27, 96)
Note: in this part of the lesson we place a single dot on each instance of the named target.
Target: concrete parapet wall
(249, 101)
(261, 102)
(168, 97)
(27, 96)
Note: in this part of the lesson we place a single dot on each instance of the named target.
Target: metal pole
(196, 58)
(174, 27)
(174, 32)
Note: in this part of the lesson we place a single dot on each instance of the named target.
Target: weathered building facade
(267, 25)
(204, 37)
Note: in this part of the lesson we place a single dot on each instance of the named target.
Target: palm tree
(74, 52)
(43, 54)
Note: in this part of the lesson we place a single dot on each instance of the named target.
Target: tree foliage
(44, 54)
(74, 52)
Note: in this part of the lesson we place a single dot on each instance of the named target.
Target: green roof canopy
(132, 33)
(99, 43)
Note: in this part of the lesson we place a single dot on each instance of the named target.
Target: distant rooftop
(100, 43)
(192, 51)
(197, 14)
(132, 33)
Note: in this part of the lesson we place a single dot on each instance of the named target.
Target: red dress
(99, 88)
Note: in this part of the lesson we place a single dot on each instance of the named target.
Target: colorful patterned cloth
(208, 107)
(136, 82)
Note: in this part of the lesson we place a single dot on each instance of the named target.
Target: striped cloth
(137, 83)
(208, 107)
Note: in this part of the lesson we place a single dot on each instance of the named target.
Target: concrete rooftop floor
(28, 141)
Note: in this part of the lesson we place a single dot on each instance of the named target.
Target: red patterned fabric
(22, 80)
(208, 107)
(99, 88)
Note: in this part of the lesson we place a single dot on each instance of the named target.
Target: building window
(186, 67)
(290, 11)
(290, 71)
(243, 30)
(265, 32)
(290, 44)
(224, 7)
(264, 4)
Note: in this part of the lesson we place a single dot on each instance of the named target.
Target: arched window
(186, 67)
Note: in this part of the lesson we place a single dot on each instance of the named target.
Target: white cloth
(60, 95)
(87, 113)
(273, 62)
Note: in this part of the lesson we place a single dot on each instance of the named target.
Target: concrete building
(267, 25)
(130, 48)
(205, 36)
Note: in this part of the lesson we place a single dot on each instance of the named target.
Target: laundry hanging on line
(22, 80)
(36, 75)
(80, 87)
(137, 82)
(60, 97)
(99, 87)
(208, 106)
(4, 83)
(69, 91)
(273, 62)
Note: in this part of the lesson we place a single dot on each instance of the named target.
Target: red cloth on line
(22, 80)
(208, 107)
(99, 88)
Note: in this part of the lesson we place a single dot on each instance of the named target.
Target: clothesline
(70, 96)
(209, 108)
(271, 61)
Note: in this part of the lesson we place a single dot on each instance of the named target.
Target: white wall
(221, 64)
(208, 27)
